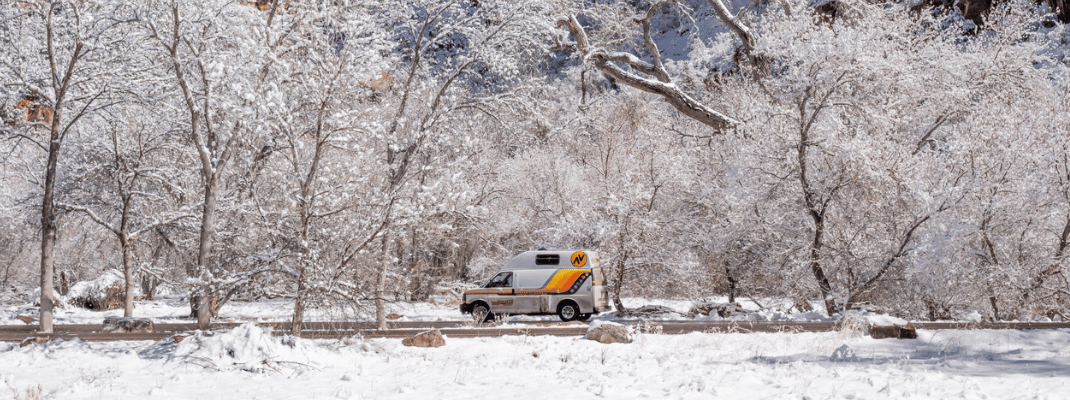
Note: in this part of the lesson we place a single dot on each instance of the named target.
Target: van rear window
(547, 259)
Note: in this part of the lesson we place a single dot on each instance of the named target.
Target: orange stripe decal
(562, 282)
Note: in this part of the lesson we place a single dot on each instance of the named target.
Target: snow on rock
(654, 311)
(127, 324)
(608, 332)
(246, 348)
(100, 294)
(432, 338)
(723, 310)
(878, 326)
(884, 320)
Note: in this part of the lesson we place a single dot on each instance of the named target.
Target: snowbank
(246, 348)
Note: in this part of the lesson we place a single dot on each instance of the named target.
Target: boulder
(432, 338)
(26, 319)
(608, 332)
(101, 294)
(127, 325)
(700, 309)
(179, 337)
(652, 311)
(897, 331)
(33, 340)
(884, 327)
(724, 310)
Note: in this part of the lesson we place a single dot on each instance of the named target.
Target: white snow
(247, 363)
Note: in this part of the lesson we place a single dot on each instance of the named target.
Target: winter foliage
(346, 154)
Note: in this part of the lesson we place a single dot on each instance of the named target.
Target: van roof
(551, 259)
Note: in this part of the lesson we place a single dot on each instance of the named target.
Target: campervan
(567, 283)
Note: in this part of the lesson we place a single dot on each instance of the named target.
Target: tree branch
(681, 101)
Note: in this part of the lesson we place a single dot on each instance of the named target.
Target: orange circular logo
(579, 259)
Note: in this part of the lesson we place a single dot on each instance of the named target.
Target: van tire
(568, 311)
(481, 313)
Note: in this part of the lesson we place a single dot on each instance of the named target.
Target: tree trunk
(299, 301)
(48, 246)
(818, 216)
(618, 284)
(203, 309)
(731, 283)
(380, 284)
(128, 256)
(128, 274)
(995, 307)
(815, 266)
(48, 224)
(814, 204)
(1061, 8)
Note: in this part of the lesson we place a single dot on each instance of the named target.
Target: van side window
(504, 279)
(547, 259)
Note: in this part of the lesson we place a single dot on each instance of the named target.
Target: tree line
(347, 154)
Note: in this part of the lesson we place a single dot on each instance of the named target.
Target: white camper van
(567, 283)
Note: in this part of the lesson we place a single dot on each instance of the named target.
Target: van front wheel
(481, 313)
(568, 311)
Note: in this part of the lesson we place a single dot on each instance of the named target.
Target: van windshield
(503, 279)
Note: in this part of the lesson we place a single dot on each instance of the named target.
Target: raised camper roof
(551, 259)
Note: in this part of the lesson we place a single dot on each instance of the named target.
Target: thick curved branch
(659, 68)
(681, 101)
(741, 30)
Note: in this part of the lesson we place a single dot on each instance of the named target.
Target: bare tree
(197, 46)
(70, 83)
(132, 154)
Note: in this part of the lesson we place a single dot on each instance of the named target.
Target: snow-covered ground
(248, 363)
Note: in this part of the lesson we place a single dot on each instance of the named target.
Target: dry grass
(31, 393)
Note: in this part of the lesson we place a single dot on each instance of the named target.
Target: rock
(26, 319)
(101, 294)
(886, 326)
(431, 338)
(724, 310)
(179, 337)
(729, 309)
(127, 325)
(33, 340)
(894, 331)
(652, 311)
(699, 309)
(608, 332)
